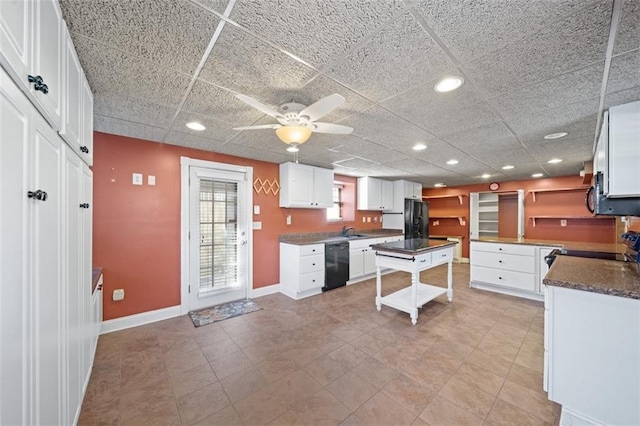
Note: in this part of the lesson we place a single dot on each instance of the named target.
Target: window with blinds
(218, 235)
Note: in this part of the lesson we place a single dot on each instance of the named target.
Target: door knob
(38, 195)
(38, 84)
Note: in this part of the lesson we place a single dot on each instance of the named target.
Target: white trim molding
(265, 291)
(143, 318)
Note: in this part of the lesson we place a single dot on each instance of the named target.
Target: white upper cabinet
(375, 194)
(304, 186)
(412, 190)
(86, 135)
(15, 39)
(403, 189)
(621, 161)
(72, 118)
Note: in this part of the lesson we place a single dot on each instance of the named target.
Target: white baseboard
(464, 260)
(571, 418)
(265, 291)
(139, 319)
(508, 291)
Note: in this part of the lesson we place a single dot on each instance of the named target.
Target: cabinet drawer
(312, 280)
(518, 249)
(517, 280)
(311, 263)
(441, 256)
(509, 262)
(423, 259)
(311, 249)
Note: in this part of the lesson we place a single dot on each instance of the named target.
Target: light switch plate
(151, 180)
(288, 219)
(256, 209)
(257, 225)
(118, 294)
(137, 178)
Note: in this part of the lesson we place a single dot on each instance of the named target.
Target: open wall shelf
(435, 197)
(534, 218)
(533, 192)
(461, 219)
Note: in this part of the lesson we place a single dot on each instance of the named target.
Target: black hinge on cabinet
(38, 84)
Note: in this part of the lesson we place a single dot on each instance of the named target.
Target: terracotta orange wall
(136, 229)
(569, 203)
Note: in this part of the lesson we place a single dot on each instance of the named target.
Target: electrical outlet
(436, 222)
(151, 180)
(288, 219)
(563, 222)
(256, 209)
(257, 225)
(137, 179)
(369, 219)
(364, 219)
(118, 294)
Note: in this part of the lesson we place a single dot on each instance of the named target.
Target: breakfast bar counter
(413, 255)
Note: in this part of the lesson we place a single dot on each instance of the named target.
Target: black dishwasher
(336, 265)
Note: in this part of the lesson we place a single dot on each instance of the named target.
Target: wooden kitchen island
(413, 255)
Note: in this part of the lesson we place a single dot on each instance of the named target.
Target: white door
(219, 236)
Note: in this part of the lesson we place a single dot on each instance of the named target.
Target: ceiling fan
(297, 121)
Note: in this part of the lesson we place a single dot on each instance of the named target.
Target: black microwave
(598, 204)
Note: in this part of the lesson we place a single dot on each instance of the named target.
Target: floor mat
(222, 312)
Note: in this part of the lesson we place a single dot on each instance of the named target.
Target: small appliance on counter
(631, 239)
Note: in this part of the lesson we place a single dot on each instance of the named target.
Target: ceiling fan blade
(331, 128)
(267, 109)
(323, 107)
(261, 126)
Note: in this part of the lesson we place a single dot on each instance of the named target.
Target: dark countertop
(95, 277)
(413, 246)
(595, 275)
(572, 245)
(322, 237)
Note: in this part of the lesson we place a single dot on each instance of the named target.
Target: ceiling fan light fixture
(293, 134)
(448, 84)
(293, 148)
(194, 125)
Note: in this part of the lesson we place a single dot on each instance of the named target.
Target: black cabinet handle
(499, 261)
(84, 205)
(38, 195)
(38, 84)
(84, 149)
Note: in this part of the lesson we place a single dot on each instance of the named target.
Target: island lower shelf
(403, 299)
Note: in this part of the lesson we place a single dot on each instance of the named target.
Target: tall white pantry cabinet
(47, 319)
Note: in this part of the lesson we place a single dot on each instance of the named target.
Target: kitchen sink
(355, 236)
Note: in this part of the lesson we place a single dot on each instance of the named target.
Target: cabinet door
(386, 195)
(48, 59)
(302, 186)
(356, 263)
(15, 39)
(369, 261)
(323, 187)
(72, 120)
(15, 112)
(86, 267)
(86, 137)
(474, 224)
(74, 308)
(48, 301)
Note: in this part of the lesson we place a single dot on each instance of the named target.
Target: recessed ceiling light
(556, 135)
(439, 185)
(452, 162)
(507, 167)
(486, 176)
(293, 148)
(419, 147)
(537, 175)
(448, 84)
(555, 160)
(194, 125)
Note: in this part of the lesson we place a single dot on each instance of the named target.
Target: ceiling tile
(472, 28)
(579, 148)
(628, 36)
(499, 158)
(116, 126)
(252, 153)
(356, 146)
(624, 72)
(563, 46)
(384, 155)
(443, 113)
(399, 57)
(317, 32)
(246, 65)
(623, 97)
(576, 119)
(192, 141)
(215, 129)
(356, 163)
(417, 167)
(260, 139)
(118, 105)
(113, 71)
(211, 101)
(495, 136)
(310, 152)
(174, 36)
(565, 89)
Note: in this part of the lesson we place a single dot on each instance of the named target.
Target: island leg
(415, 280)
(450, 281)
(378, 288)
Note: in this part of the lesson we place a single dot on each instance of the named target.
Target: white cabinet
(362, 259)
(301, 269)
(15, 39)
(72, 118)
(404, 189)
(45, 261)
(305, 186)
(412, 190)
(96, 316)
(86, 135)
(506, 268)
(593, 343)
(375, 194)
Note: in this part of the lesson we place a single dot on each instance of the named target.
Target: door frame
(185, 261)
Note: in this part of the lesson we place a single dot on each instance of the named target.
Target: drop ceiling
(531, 67)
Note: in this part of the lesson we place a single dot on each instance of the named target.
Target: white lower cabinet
(45, 257)
(301, 269)
(506, 268)
(593, 343)
(362, 259)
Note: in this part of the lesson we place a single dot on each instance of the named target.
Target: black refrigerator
(416, 219)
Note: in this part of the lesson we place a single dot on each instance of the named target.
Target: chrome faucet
(345, 230)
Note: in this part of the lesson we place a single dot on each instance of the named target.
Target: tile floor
(332, 359)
